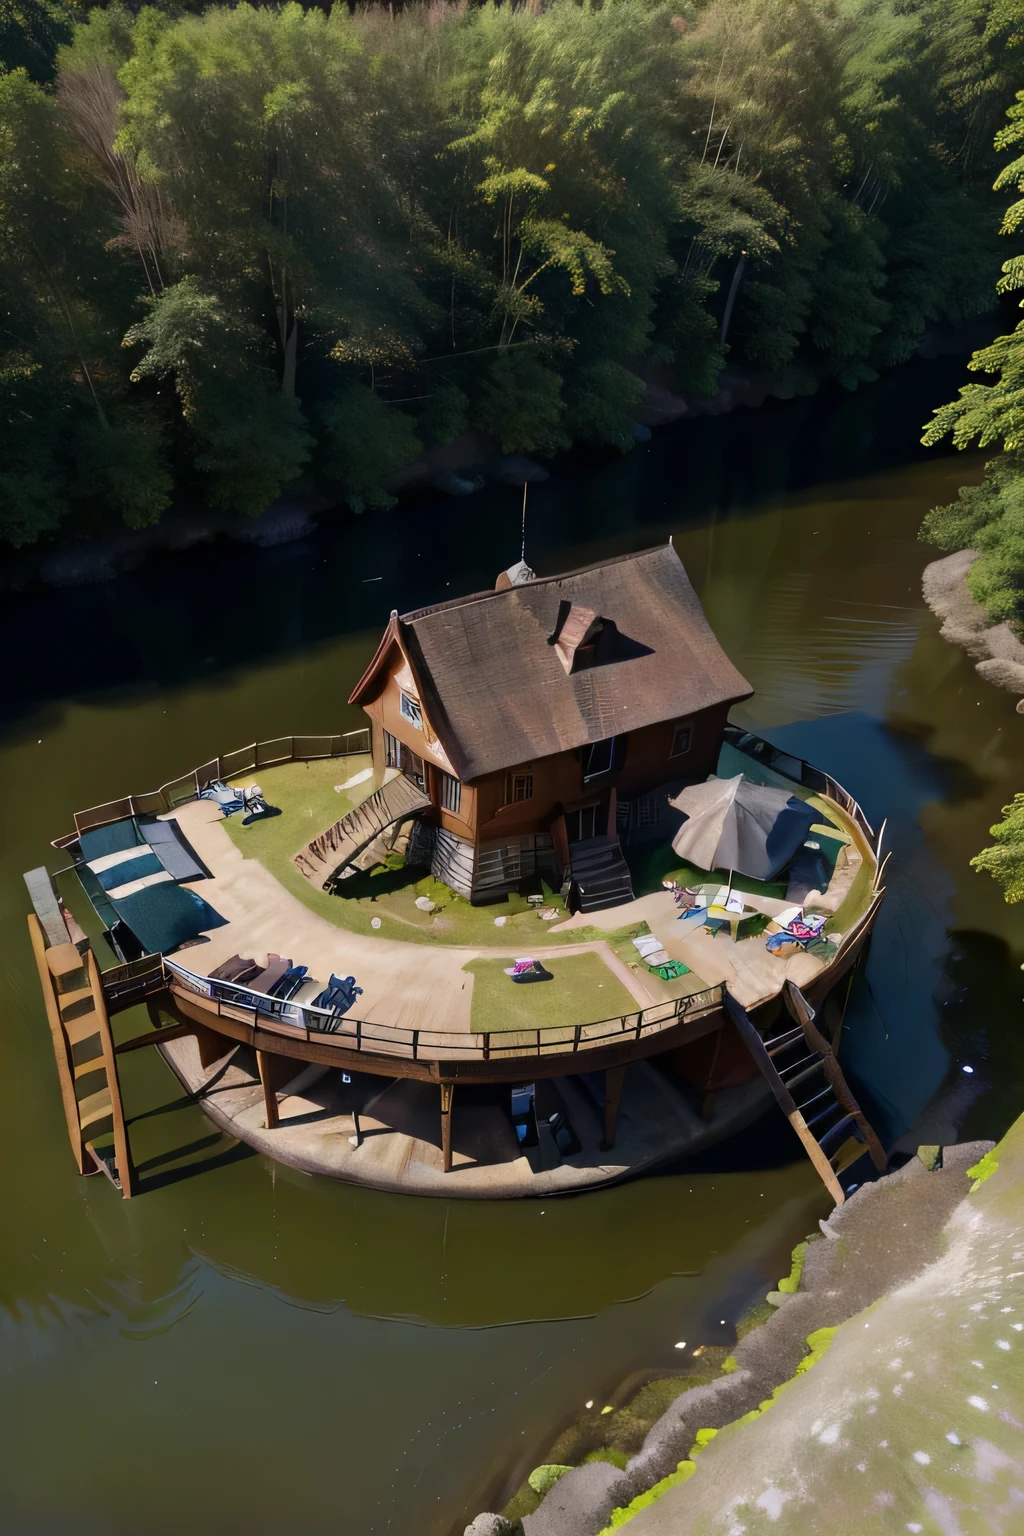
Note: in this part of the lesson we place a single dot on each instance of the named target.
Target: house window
(410, 710)
(605, 756)
(579, 825)
(519, 787)
(451, 792)
(392, 751)
(682, 740)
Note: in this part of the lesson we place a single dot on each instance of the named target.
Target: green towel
(672, 971)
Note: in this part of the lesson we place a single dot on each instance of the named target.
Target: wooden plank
(614, 1078)
(749, 1035)
(802, 1011)
(265, 1062)
(447, 1095)
(155, 1037)
(45, 905)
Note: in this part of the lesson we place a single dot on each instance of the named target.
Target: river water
(243, 1348)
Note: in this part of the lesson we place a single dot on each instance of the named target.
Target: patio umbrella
(736, 824)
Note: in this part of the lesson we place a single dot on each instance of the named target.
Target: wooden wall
(483, 815)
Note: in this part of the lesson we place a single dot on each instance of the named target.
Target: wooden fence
(260, 754)
(300, 1021)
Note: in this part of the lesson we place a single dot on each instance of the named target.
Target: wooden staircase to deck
(599, 873)
(799, 1065)
(331, 851)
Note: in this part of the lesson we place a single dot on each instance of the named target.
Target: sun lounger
(229, 800)
(337, 997)
(235, 969)
(265, 979)
(289, 983)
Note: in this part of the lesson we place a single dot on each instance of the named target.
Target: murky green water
(245, 1348)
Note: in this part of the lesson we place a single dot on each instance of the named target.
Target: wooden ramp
(800, 1066)
(333, 850)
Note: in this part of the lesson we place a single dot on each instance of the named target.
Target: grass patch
(650, 868)
(304, 793)
(583, 990)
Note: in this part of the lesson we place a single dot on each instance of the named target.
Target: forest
(242, 245)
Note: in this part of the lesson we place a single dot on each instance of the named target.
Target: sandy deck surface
(420, 986)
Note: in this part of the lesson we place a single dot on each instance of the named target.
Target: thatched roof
(506, 677)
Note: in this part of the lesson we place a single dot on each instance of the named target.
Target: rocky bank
(997, 653)
(885, 1393)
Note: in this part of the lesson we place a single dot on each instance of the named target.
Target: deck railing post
(487, 1045)
(576, 1037)
(359, 1034)
(415, 1044)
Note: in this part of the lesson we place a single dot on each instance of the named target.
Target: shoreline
(845, 1270)
(997, 653)
(460, 468)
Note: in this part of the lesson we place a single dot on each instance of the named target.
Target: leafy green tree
(602, 406)
(1005, 860)
(248, 436)
(521, 403)
(366, 441)
(444, 416)
(990, 518)
(31, 32)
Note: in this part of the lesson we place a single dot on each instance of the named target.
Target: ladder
(799, 1064)
(86, 1057)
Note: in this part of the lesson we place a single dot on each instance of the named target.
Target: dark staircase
(599, 875)
(801, 1069)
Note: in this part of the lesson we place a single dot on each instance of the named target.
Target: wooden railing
(301, 1021)
(259, 754)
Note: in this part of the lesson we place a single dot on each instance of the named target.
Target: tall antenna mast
(522, 553)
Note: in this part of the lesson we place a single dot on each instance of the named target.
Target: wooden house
(550, 718)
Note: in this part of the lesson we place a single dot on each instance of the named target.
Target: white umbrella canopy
(754, 829)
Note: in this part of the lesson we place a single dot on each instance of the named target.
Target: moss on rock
(983, 1170)
(788, 1285)
(544, 1478)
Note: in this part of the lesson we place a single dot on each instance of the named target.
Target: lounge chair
(265, 979)
(337, 997)
(229, 800)
(289, 983)
(235, 969)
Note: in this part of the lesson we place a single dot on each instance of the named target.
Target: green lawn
(305, 795)
(582, 990)
(650, 868)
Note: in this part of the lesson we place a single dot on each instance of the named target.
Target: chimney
(575, 635)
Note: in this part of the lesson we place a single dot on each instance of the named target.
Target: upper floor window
(682, 740)
(519, 786)
(605, 756)
(410, 710)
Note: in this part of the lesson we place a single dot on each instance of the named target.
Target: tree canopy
(245, 243)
